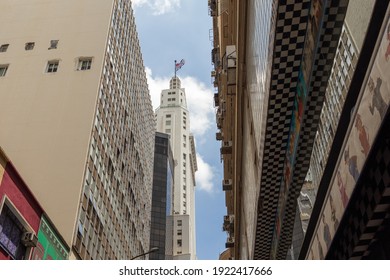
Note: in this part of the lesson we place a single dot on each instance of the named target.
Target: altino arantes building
(173, 119)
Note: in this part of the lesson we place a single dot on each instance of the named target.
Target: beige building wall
(46, 118)
(357, 19)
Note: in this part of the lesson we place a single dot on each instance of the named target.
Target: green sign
(50, 246)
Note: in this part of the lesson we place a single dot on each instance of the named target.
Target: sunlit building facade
(173, 118)
(77, 120)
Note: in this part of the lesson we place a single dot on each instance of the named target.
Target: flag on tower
(179, 64)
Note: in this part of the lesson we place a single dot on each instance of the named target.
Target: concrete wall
(357, 19)
(46, 118)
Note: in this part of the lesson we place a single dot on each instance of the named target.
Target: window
(167, 122)
(179, 242)
(179, 232)
(52, 66)
(179, 223)
(3, 70)
(168, 116)
(3, 48)
(11, 231)
(53, 44)
(29, 46)
(167, 131)
(84, 64)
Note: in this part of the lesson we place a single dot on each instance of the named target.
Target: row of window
(172, 92)
(30, 46)
(84, 63)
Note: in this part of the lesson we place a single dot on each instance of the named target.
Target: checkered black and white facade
(291, 25)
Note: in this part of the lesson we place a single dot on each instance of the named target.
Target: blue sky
(171, 30)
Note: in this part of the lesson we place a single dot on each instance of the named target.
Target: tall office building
(173, 119)
(76, 118)
(347, 54)
(163, 171)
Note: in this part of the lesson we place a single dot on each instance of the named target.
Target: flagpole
(175, 68)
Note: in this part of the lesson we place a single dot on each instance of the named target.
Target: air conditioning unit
(227, 185)
(228, 223)
(225, 227)
(226, 147)
(229, 242)
(219, 121)
(216, 100)
(29, 239)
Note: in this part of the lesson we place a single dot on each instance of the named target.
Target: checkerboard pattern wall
(290, 34)
(329, 37)
(291, 24)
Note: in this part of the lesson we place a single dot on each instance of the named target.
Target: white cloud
(199, 101)
(158, 7)
(204, 175)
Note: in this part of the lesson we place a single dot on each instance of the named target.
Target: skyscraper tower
(77, 119)
(173, 118)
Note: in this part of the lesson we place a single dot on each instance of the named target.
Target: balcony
(229, 242)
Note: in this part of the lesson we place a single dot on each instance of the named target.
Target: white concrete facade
(173, 118)
(72, 98)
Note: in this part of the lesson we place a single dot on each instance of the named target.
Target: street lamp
(154, 249)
